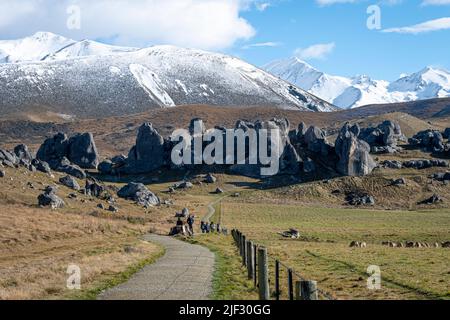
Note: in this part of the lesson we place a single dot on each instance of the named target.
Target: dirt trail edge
(185, 272)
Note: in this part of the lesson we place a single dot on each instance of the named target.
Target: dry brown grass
(38, 245)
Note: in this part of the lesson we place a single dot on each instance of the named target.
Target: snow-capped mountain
(89, 79)
(362, 90)
(49, 46)
(33, 48)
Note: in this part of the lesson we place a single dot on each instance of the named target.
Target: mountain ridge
(361, 90)
(89, 79)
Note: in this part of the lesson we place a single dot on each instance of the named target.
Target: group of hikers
(207, 227)
(187, 227)
(182, 228)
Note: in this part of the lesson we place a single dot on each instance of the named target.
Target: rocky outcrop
(424, 164)
(140, 194)
(79, 150)
(316, 141)
(384, 138)
(82, 151)
(353, 153)
(430, 140)
(148, 153)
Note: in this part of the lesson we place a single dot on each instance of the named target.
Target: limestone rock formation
(148, 153)
(353, 153)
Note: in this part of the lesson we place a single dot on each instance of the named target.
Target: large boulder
(140, 194)
(65, 166)
(79, 149)
(41, 166)
(50, 199)
(316, 141)
(8, 157)
(446, 133)
(23, 153)
(431, 140)
(148, 153)
(353, 153)
(53, 148)
(94, 189)
(106, 167)
(69, 182)
(82, 151)
(290, 160)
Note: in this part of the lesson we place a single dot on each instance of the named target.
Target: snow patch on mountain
(152, 85)
(87, 48)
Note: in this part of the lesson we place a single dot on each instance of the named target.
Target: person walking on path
(190, 222)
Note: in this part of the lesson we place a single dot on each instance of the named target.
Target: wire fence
(272, 278)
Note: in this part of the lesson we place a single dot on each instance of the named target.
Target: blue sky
(357, 50)
(332, 35)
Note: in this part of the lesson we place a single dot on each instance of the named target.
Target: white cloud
(206, 24)
(262, 44)
(428, 26)
(317, 51)
(330, 2)
(262, 6)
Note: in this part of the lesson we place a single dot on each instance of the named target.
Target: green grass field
(323, 253)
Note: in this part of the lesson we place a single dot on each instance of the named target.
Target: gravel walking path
(183, 273)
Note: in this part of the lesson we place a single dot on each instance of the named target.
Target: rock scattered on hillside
(140, 194)
(94, 189)
(399, 182)
(355, 199)
(70, 182)
(432, 200)
(210, 178)
(50, 199)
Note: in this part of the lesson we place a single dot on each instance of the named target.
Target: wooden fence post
(298, 290)
(263, 274)
(240, 242)
(244, 251)
(277, 280)
(290, 285)
(250, 260)
(308, 290)
(255, 265)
